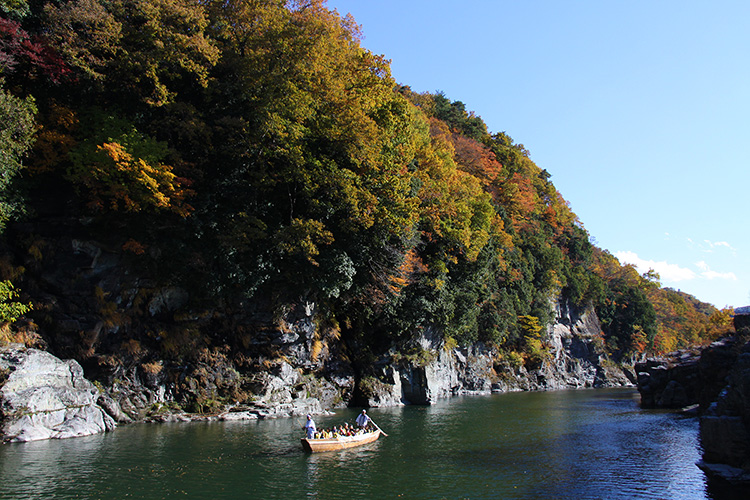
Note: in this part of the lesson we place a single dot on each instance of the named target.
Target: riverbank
(433, 371)
(717, 380)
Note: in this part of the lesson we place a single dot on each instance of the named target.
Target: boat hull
(339, 443)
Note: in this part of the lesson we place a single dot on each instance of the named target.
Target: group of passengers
(311, 432)
(336, 431)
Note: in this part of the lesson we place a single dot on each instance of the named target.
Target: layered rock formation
(432, 371)
(42, 397)
(717, 381)
(670, 382)
(725, 425)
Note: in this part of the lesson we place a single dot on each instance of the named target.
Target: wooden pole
(376, 426)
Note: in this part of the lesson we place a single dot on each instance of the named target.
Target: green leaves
(17, 129)
(302, 238)
(313, 174)
(146, 49)
(10, 308)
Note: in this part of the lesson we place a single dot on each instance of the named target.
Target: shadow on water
(566, 445)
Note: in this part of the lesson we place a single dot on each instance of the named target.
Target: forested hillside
(252, 155)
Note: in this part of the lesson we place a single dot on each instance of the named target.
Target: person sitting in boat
(363, 420)
(309, 427)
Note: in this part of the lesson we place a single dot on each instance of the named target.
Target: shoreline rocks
(43, 397)
(672, 382)
(434, 372)
(716, 379)
(725, 425)
(72, 406)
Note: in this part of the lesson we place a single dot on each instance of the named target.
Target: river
(586, 444)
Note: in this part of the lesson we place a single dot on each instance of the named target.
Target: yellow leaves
(117, 154)
(639, 340)
(530, 326)
(535, 350)
(54, 138)
(453, 203)
(86, 34)
(302, 238)
(117, 179)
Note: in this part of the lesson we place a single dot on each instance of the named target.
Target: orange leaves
(117, 154)
(134, 247)
(557, 214)
(521, 202)
(407, 272)
(131, 184)
(454, 207)
(476, 159)
(118, 168)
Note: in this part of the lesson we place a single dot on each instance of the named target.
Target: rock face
(717, 379)
(161, 352)
(433, 371)
(725, 425)
(43, 397)
(670, 382)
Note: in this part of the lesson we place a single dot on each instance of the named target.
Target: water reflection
(568, 445)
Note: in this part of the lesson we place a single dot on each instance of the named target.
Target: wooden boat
(340, 442)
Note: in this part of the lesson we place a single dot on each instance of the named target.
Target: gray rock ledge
(43, 397)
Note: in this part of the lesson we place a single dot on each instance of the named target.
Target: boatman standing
(309, 427)
(362, 419)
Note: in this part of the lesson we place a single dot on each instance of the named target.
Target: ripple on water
(565, 445)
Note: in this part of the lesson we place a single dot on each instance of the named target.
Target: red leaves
(18, 48)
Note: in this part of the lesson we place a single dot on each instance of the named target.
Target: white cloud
(726, 245)
(672, 272)
(715, 244)
(667, 271)
(702, 265)
(713, 275)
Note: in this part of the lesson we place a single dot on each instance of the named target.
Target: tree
(143, 49)
(314, 137)
(16, 137)
(16, 8)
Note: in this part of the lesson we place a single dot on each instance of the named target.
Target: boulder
(673, 382)
(44, 397)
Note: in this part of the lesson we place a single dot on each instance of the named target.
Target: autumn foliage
(281, 160)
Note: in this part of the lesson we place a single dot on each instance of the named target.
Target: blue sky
(640, 110)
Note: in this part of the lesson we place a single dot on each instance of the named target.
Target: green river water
(587, 444)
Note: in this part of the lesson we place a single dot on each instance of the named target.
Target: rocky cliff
(725, 425)
(716, 380)
(306, 377)
(159, 352)
(433, 370)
